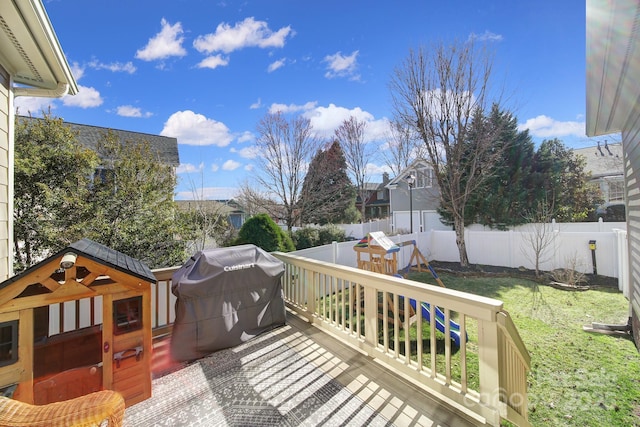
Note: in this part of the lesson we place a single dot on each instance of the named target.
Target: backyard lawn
(577, 378)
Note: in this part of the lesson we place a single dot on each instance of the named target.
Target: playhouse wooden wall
(80, 361)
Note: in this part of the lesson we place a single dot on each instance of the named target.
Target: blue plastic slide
(454, 328)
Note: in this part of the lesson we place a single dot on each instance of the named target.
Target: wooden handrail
(331, 296)
(369, 310)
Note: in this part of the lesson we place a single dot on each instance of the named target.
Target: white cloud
(248, 167)
(486, 36)
(247, 152)
(189, 168)
(26, 105)
(325, 120)
(372, 169)
(292, 108)
(230, 165)
(87, 97)
(165, 44)
(248, 33)
(215, 167)
(209, 193)
(213, 62)
(195, 129)
(114, 66)
(77, 70)
(340, 65)
(545, 127)
(256, 105)
(246, 136)
(131, 111)
(276, 64)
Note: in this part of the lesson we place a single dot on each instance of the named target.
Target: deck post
(489, 370)
(371, 315)
(309, 289)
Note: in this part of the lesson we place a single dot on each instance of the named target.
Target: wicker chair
(90, 410)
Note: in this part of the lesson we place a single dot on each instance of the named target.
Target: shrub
(263, 232)
(570, 274)
(309, 237)
(331, 233)
(286, 241)
(306, 237)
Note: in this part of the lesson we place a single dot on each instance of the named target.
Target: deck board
(392, 397)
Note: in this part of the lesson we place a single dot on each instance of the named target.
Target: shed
(45, 357)
(226, 296)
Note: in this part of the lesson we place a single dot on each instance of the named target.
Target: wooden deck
(398, 400)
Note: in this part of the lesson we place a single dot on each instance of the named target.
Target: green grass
(577, 378)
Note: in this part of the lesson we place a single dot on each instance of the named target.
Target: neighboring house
(164, 147)
(415, 209)
(31, 64)
(613, 105)
(229, 208)
(604, 163)
(377, 199)
(210, 212)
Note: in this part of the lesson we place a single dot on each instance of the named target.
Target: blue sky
(206, 72)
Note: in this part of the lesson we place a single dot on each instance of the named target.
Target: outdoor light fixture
(411, 179)
(68, 260)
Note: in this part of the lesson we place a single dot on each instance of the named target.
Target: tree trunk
(462, 247)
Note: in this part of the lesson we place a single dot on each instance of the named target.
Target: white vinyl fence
(566, 246)
(358, 231)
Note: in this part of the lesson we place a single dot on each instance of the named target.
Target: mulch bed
(478, 270)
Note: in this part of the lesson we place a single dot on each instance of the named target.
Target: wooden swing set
(381, 256)
(377, 253)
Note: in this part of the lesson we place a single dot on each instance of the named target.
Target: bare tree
(358, 153)
(254, 201)
(541, 237)
(438, 92)
(286, 148)
(206, 221)
(402, 147)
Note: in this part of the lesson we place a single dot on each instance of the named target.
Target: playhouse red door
(131, 350)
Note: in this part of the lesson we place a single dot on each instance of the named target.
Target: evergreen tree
(507, 191)
(560, 179)
(128, 206)
(327, 196)
(132, 204)
(52, 180)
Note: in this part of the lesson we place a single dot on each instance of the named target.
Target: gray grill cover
(226, 296)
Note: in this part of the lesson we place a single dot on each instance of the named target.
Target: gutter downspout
(61, 90)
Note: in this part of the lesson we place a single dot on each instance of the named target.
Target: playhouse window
(127, 315)
(8, 342)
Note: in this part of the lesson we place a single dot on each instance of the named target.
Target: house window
(616, 191)
(103, 175)
(424, 178)
(8, 342)
(127, 315)
(380, 195)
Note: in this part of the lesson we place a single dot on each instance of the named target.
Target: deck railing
(163, 302)
(485, 376)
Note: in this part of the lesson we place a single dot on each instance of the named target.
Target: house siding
(630, 138)
(6, 177)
